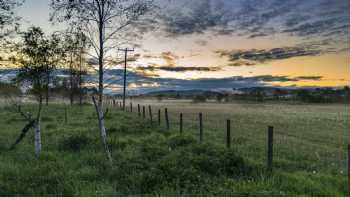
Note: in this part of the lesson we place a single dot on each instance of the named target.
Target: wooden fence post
(65, 114)
(167, 119)
(143, 112)
(228, 134)
(270, 149)
(200, 127)
(159, 114)
(348, 170)
(181, 123)
(113, 103)
(139, 110)
(150, 113)
(131, 107)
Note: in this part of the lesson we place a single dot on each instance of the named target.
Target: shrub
(50, 126)
(179, 162)
(47, 119)
(75, 143)
(180, 141)
(199, 99)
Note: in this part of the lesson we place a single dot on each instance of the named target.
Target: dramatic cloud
(171, 65)
(184, 69)
(314, 19)
(178, 69)
(170, 58)
(248, 57)
(310, 78)
(201, 42)
(238, 63)
(187, 17)
(142, 84)
(139, 83)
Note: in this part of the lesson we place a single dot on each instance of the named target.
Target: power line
(126, 50)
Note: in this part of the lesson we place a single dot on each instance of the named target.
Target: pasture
(149, 160)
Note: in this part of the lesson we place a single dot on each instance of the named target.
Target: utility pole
(126, 50)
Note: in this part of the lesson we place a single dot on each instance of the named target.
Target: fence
(270, 142)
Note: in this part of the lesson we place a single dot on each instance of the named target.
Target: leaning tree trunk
(71, 93)
(80, 79)
(102, 128)
(37, 134)
(37, 139)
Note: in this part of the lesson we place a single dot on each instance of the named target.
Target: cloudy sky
(257, 42)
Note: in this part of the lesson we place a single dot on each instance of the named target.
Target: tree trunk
(99, 103)
(101, 54)
(37, 134)
(37, 138)
(101, 126)
(71, 93)
(25, 130)
(47, 85)
(80, 79)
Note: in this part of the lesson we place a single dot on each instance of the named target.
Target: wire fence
(298, 145)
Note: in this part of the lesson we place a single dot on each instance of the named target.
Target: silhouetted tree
(220, 96)
(37, 57)
(33, 72)
(75, 47)
(104, 21)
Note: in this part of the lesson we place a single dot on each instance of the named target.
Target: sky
(292, 43)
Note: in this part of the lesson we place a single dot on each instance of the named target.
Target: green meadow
(148, 160)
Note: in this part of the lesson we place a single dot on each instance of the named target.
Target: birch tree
(104, 22)
(34, 55)
(75, 48)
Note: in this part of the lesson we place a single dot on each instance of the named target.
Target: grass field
(309, 152)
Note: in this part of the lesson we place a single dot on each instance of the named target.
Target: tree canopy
(38, 56)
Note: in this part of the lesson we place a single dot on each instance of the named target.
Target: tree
(104, 21)
(36, 53)
(220, 96)
(200, 98)
(75, 47)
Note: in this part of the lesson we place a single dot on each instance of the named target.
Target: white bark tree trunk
(37, 133)
(101, 125)
(37, 138)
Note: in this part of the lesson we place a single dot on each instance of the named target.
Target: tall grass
(151, 161)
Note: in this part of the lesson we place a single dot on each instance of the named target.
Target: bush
(179, 162)
(75, 143)
(47, 119)
(180, 141)
(199, 99)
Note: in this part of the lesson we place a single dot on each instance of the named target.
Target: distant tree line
(261, 94)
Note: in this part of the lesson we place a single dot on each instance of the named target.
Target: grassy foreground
(150, 161)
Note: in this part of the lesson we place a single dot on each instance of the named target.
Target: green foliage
(7, 89)
(38, 56)
(178, 162)
(75, 142)
(199, 98)
(221, 96)
(150, 161)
